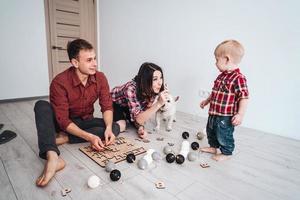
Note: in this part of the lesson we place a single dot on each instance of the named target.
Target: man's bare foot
(61, 138)
(53, 165)
(220, 157)
(209, 150)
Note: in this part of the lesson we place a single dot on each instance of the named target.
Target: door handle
(56, 47)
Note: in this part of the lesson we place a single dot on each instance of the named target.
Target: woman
(134, 101)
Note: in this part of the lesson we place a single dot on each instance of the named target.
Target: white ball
(93, 181)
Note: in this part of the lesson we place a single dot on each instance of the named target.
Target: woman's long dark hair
(144, 80)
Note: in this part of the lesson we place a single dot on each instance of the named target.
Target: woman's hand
(163, 97)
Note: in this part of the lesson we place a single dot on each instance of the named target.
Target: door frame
(48, 35)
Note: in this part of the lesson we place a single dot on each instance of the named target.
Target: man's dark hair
(75, 46)
(144, 80)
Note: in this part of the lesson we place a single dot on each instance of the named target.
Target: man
(72, 96)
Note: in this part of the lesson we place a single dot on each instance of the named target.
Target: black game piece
(185, 135)
(115, 175)
(179, 159)
(6, 136)
(130, 158)
(195, 145)
(170, 157)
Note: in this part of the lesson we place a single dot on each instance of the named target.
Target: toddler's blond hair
(231, 48)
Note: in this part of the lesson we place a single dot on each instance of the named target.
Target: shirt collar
(237, 70)
(76, 81)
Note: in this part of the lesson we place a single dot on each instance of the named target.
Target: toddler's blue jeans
(220, 133)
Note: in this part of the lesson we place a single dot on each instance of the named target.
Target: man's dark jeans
(47, 128)
(220, 133)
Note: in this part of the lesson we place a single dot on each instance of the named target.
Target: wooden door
(68, 20)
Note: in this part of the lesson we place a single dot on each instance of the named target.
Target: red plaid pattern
(229, 88)
(125, 95)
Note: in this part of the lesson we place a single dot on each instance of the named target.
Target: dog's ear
(176, 98)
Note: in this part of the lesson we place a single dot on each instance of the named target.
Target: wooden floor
(264, 166)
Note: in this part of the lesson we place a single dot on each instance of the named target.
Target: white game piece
(146, 160)
(93, 181)
(110, 166)
(156, 156)
(185, 148)
(167, 150)
(192, 156)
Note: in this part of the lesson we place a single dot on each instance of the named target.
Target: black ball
(130, 158)
(170, 157)
(115, 175)
(185, 135)
(195, 145)
(179, 159)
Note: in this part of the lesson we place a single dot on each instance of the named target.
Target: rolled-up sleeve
(105, 99)
(134, 105)
(242, 88)
(59, 102)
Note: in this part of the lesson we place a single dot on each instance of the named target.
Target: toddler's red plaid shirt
(229, 88)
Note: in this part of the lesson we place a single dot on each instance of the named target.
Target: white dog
(167, 112)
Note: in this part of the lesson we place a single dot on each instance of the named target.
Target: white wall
(23, 52)
(181, 37)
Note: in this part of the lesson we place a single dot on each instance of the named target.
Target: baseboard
(23, 99)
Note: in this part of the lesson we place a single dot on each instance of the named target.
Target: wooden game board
(116, 152)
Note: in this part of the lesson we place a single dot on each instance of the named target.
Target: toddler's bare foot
(209, 150)
(220, 157)
(53, 165)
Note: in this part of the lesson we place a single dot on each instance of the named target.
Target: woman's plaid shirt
(125, 96)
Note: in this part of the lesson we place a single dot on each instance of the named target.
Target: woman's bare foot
(53, 165)
(122, 124)
(142, 132)
(220, 157)
(209, 150)
(61, 138)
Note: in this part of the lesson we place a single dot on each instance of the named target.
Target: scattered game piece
(110, 166)
(160, 185)
(160, 139)
(115, 175)
(192, 156)
(130, 158)
(146, 140)
(200, 135)
(167, 150)
(65, 191)
(170, 144)
(146, 160)
(6, 136)
(180, 159)
(204, 165)
(93, 181)
(185, 148)
(114, 152)
(185, 135)
(170, 158)
(156, 156)
(195, 145)
(142, 164)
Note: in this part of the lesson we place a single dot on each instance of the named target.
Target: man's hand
(109, 137)
(96, 142)
(203, 103)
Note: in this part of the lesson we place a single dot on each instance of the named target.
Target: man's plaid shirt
(229, 88)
